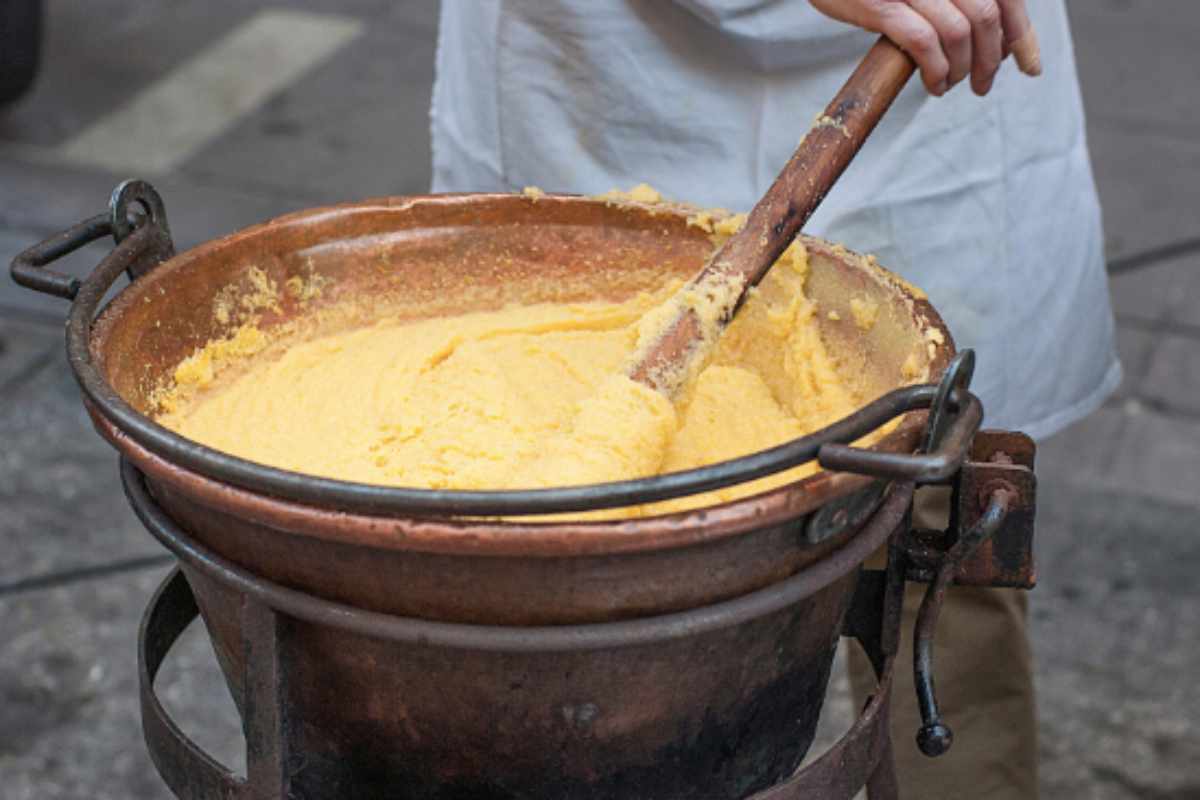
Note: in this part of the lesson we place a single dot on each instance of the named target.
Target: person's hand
(949, 39)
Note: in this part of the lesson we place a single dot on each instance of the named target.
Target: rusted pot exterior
(733, 710)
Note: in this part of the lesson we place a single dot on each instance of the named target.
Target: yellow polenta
(518, 397)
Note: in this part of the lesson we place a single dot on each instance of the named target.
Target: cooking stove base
(861, 758)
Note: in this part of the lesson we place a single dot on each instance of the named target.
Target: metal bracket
(158, 246)
(844, 513)
(999, 461)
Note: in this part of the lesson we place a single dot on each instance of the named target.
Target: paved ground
(1114, 619)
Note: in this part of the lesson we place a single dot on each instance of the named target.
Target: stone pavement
(1114, 620)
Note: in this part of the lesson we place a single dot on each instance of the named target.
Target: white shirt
(986, 203)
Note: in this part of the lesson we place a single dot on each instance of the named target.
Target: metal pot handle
(29, 267)
(954, 418)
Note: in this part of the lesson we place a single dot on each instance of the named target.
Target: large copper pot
(446, 556)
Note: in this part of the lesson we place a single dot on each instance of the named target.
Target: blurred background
(239, 110)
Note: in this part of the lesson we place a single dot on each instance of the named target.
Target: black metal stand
(861, 758)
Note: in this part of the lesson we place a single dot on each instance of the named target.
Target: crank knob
(934, 739)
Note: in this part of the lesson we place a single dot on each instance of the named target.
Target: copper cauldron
(706, 711)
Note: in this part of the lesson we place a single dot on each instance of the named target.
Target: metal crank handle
(935, 737)
(149, 241)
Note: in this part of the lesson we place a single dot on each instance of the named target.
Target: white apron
(986, 203)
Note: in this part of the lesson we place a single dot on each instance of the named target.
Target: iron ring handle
(937, 466)
(120, 205)
(935, 737)
(29, 267)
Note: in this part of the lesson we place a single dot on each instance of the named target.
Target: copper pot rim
(484, 535)
(481, 536)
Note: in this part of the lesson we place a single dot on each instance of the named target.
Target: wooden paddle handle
(820, 159)
(818, 162)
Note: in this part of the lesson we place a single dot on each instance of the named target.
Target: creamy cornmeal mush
(519, 397)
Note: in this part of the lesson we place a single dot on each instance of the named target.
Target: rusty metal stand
(862, 758)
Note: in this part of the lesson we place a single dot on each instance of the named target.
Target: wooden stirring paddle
(665, 362)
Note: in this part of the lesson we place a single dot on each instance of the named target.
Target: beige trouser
(983, 674)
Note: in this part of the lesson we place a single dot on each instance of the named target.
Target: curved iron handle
(935, 737)
(954, 418)
(29, 267)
